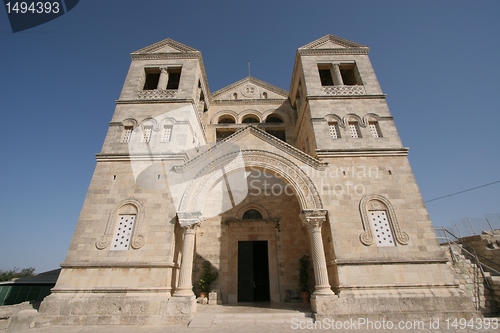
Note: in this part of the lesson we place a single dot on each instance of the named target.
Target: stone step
(262, 318)
(248, 315)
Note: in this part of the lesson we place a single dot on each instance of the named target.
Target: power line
(470, 189)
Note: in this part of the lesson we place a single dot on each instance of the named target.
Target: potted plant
(304, 278)
(207, 278)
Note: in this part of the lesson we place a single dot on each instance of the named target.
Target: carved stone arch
(249, 112)
(260, 208)
(129, 122)
(304, 188)
(167, 121)
(278, 112)
(370, 117)
(334, 118)
(129, 206)
(148, 122)
(378, 202)
(352, 117)
(215, 118)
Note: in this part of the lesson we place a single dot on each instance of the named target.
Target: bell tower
(340, 105)
(125, 252)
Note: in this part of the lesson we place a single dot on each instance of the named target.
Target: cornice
(161, 56)
(153, 101)
(322, 97)
(322, 153)
(109, 290)
(334, 39)
(170, 42)
(128, 157)
(386, 261)
(249, 101)
(114, 264)
(320, 52)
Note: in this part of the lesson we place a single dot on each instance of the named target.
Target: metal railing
(467, 250)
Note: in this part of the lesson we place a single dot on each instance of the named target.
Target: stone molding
(353, 117)
(385, 261)
(322, 52)
(181, 48)
(250, 102)
(313, 217)
(281, 145)
(110, 290)
(305, 189)
(128, 206)
(189, 220)
(343, 43)
(376, 201)
(323, 153)
(260, 208)
(114, 264)
(252, 81)
(331, 118)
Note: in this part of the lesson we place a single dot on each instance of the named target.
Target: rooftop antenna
(249, 68)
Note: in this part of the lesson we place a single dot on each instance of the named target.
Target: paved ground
(215, 328)
(258, 318)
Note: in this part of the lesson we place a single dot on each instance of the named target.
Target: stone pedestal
(180, 310)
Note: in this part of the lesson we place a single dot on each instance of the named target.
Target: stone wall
(485, 295)
(16, 317)
(487, 247)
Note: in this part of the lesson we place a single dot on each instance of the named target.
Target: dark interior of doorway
(253, 271)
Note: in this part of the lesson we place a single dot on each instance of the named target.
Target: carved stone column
(162, 81)
(190, 222)
(313, 219)
(337, 75)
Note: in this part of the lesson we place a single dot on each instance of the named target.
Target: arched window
(354, 129)
(226, 120)
(252, 214)
(123, 227)
(374, 129)
(250, 120)
(380, 222)
(273, 119)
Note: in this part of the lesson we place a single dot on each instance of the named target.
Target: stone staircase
(481, 286)
(224, 315)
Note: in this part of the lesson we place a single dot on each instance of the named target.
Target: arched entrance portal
(291, 209)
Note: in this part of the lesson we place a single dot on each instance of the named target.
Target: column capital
(313, 217)
(189, 220)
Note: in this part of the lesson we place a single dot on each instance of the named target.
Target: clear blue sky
(437, 61)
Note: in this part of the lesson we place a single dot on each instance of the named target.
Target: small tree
(304, 273)
(16, 274)
(208, 277)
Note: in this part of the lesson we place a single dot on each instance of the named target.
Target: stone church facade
(251, 178)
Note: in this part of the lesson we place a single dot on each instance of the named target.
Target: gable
(249, 88)
(253, 138)
(331, 42)
(166, 46)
